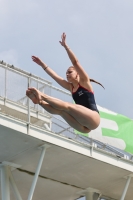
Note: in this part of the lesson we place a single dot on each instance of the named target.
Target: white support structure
(5, 190)
(126, 187)
(6, 177)
(14, 187)
(37, 171)
(91, 194)
(47, 127)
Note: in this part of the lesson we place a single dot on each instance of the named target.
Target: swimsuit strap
(73, 87)
(86, 89)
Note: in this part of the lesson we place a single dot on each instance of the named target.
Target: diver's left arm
(83, 75)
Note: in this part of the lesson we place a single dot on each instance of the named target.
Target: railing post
(38, 89)
(6, 82)
(28, 123)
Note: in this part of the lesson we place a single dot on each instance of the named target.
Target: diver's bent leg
(74, 123)
(83, 115)
(49, 108)
(68, 118)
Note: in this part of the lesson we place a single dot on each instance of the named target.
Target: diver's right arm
(51, 73)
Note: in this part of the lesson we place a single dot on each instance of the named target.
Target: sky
(99, 32)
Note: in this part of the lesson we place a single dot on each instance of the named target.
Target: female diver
(83, 115)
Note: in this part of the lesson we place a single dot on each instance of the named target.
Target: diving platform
(42, 158)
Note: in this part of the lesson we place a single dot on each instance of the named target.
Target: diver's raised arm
(51, 73)
(74, 60)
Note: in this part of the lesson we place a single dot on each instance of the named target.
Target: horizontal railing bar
(38, 79)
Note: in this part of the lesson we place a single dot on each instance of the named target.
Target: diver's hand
(37, 60)
(63, 40)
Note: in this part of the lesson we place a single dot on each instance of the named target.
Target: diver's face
(71, 75)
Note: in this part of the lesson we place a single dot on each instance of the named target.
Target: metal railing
(14, 82)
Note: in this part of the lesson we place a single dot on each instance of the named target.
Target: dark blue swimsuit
(85, 98)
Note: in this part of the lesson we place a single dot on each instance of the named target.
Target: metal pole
(5, 190)
(36, 174)
(6, 82)
(28, 123)
(126, 188)
(14, 187)
(38, 89)
(89, 195)
(47, 127)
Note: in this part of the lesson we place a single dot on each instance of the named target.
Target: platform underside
(64, 173)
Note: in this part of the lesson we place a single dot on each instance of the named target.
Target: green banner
(114, 129)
